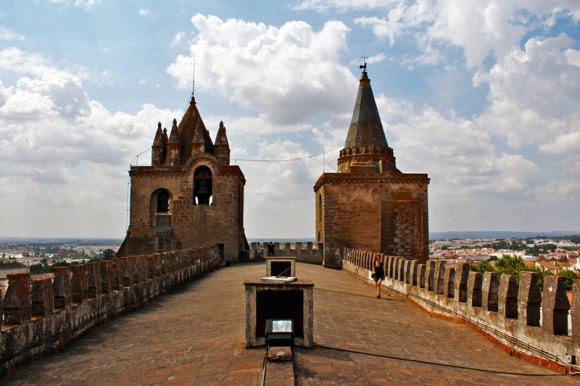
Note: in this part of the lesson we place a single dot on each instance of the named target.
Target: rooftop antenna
(364, 66)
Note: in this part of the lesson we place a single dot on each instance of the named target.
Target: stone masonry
(44, 316)
(369, 204)
(507, 313)
(190, 196)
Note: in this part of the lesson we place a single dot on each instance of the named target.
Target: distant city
(548, 253)
(463, 246)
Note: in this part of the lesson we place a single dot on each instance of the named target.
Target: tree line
(513, 265)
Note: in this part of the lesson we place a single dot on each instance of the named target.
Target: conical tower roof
(187, 127)
(366, 149)
(366, 128)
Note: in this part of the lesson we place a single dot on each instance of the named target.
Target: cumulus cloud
(281, 190)
(459, 158)
(534, 97)
(481, 29)
(13, 59)
(289, 73)
(64, 151)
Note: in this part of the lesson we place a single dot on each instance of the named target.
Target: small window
(163, 202)
(161, 208)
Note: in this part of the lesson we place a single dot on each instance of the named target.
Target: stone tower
(190, 195)
(369, 204)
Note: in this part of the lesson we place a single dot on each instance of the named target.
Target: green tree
(570, 277)
(38, 269)
(482, 266)
(108, 254)
(511, 265)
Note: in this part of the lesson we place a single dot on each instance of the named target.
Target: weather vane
(363, 66)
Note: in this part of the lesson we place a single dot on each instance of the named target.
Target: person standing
(378, 273)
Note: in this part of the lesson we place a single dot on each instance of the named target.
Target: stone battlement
(525, 322)
(43, 316)
(305, 252)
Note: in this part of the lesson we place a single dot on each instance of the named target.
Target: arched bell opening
(202, 186)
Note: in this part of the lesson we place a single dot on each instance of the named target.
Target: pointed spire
(174, 135)
(366, 149)
(174, 146)
(222, 146)
(188, 128)
(159, 147)
(158, 141)
(221, 137)
(366, 128)
(165, 137)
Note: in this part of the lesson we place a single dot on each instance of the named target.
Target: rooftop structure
(370, 204)
(190, 196)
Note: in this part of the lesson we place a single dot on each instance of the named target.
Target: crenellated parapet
(305, 252)
(542, 327)
(41, 316)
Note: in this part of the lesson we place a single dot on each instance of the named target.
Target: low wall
(43, 316)
(524, 321)
(303, 251)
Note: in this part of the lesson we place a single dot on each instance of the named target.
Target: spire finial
(364, 65)
(193, 85)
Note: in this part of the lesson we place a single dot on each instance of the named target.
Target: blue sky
(483, 95)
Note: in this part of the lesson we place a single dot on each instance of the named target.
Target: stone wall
(525, 322)
(387, 213)
(44, 316)
(303, 251)
(188, 225)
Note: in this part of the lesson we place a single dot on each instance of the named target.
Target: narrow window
(320, 208)
(161, 205)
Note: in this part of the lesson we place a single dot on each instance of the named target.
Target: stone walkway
(196, 337)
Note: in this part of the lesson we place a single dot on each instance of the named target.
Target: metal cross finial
(193, 65)
(363, 66)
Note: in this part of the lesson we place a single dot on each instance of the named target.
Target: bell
(202, 187)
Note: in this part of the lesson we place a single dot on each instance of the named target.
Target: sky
(482, 95)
